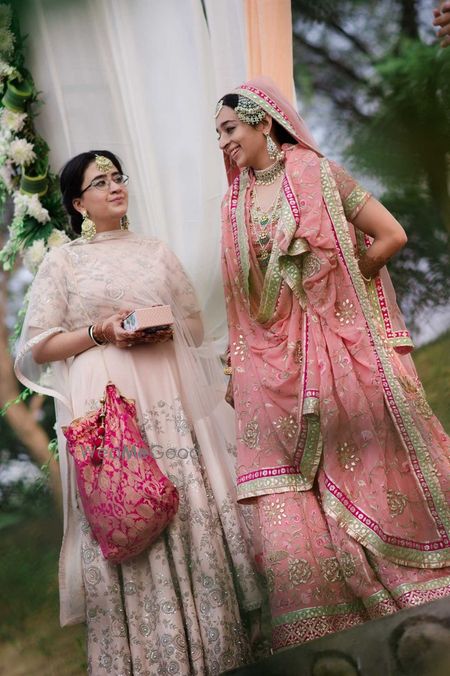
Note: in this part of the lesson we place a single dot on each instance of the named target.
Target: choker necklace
(270, 174)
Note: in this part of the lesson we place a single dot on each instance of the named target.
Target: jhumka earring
(124, 223)
(274, 152)
(88, 229)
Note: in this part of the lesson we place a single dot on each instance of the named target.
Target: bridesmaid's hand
(114, 332)
(160, 336)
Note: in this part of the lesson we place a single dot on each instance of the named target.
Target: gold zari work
(103, 164)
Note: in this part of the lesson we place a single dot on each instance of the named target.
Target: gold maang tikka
(218, 108)
(103, 164)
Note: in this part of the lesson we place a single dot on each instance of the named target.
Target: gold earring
(272, 148)
(88, 229)
(124, 223)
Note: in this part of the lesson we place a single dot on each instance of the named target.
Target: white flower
(21, 152)
(57, 238)
(36, 210)
(6, 70)
(6, 174)
(34, 255)
(5, 139)
(13, 121)
(20, 205)
(6, 40)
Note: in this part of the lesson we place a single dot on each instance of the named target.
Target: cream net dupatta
(68, 293)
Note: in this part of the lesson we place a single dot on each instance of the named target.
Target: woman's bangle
(92, 337)
(228, 370)
(366, 279)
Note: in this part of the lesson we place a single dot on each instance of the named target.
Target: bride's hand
(229, 397)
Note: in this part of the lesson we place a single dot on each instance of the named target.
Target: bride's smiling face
(245, 145)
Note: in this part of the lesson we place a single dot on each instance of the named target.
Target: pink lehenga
(337, 446)
(174, 608)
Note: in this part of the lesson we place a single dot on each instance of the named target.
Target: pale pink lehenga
(174, 608)
(337, 446)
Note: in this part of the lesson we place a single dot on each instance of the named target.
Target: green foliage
(411, 126)
(28, 561)
(36, 216)
(389, 82)
(433, 367)
(21, 397)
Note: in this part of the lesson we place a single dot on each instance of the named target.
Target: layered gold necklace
(270, 174)
(262, 225)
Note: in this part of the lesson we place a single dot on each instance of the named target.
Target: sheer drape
(141, 77)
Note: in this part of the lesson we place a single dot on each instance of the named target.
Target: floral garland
(30, 201)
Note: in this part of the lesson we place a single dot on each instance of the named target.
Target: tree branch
(341, 67)
(351, 38)
(409, 25)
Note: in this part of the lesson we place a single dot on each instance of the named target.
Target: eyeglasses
(101, 183)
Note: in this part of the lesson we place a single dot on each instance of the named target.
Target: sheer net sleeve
(47, 314)
(181, 287)
(353, 196)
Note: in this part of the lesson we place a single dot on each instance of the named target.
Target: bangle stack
(92, 336)
(366, 279)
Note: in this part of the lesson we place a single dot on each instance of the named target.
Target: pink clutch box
(149, 319)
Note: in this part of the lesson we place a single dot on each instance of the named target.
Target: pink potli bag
(126, 498)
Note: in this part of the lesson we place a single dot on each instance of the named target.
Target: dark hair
(281, 134)
(337, 654)
(400, 630)
(71, 179)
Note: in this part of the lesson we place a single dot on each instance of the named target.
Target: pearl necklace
(270, 174)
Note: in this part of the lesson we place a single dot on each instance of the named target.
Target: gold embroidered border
(311, 406)
(378, 597)
(358, 530)
(275, 484)
(242, 231)
(320, 611)
(430, 585)
(399, 341)
(313, 449)
(273, 277)
(355, 202)
(406, 425)
(271, 286)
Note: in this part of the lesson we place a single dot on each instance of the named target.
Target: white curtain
(141, 78)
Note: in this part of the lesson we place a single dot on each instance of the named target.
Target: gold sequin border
(395, 399)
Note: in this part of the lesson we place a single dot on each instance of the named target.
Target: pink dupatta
(321, 390)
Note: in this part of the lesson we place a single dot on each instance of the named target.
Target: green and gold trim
(367, 537)
(272, 484)
(355, 202)
(374, 290)
(243, 257)
(320, 611)
(394, 396)
(312, 451)
(420, 587)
